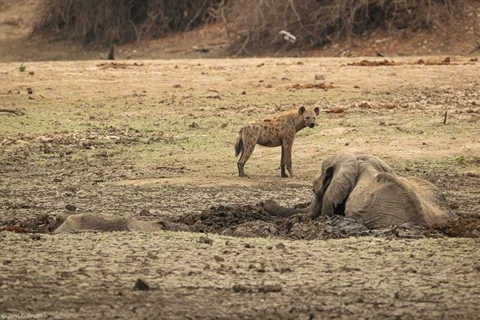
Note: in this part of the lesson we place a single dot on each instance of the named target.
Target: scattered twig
(17, 112)
(445, 118)
(242, 48)
(111, 53)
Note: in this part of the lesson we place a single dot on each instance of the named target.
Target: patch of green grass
(461, 160)
(22, 68)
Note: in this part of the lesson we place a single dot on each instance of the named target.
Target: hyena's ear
(301, 110)
(317, 110)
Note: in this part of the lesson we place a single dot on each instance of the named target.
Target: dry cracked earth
(153, 140)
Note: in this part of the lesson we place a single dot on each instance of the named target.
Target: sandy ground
(154, 139)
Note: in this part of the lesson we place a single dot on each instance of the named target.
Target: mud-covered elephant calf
(367, 189)
(102, 223)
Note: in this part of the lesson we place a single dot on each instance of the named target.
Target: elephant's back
(383, 199)
(435, 207)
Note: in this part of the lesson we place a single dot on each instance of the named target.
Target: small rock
(71, 208)
(364, 105)
(205, 239)
(319, 77)
(218, 258)
(453, 206)
(35, 237)
(144, 212)
(280, 246)
(241, 288)
(141, 285)
(194, 125)
(152, 256)
(29, 90)
(270, 288)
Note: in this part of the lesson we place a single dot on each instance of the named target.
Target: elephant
(366, 188)
(97, 222)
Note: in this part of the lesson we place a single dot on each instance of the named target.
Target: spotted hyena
(278, 131)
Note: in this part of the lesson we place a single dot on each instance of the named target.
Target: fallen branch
(17, 112)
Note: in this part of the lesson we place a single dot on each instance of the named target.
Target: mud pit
(154, 141)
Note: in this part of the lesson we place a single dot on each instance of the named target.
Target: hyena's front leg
(283, 174)
(287, 144)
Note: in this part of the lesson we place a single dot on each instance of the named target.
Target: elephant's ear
(376, 162)
(342, 175)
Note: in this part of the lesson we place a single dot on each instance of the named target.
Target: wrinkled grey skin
(103, 223)
(366, 188)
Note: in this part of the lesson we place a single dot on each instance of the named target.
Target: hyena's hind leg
(248, 141)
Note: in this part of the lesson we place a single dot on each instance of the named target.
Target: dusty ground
(154, 140)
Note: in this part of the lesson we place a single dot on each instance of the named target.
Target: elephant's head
(333, 184)
(338, 177)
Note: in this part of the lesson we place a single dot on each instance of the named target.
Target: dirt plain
(153, 140)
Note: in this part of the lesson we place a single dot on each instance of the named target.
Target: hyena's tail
(238, 144)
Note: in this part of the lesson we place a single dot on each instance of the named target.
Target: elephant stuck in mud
(361, 187)
(102, 223)
(365, 188)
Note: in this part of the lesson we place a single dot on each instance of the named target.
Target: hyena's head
(308, 116)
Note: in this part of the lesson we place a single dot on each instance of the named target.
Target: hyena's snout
(311, 125)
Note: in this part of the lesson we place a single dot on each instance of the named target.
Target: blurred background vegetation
(251, 25)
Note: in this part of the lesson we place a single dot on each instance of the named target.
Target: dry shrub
(318, 22)
(252, 25)
(120, 21)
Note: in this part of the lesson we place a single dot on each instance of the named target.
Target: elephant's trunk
(315, 209)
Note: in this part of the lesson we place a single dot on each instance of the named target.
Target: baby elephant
(103, 223)
(278, 131)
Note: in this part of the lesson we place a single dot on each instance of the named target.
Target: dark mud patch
(385, 62)
(254, 221)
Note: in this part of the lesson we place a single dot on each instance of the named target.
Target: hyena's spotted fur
(278, 131)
